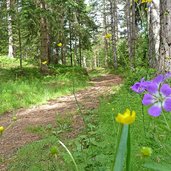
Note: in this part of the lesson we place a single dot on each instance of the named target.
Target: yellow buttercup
(1, 129)
(59, 44)
(146, 1)
(146, 151)
(127, 117)
(108, 36)
(44, 62)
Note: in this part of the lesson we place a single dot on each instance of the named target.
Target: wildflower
(159, 98)
(1, 129)
(146, 151)
(127, 118)
(108, 36)
(44, 62)
(59, 44)
(146, 1)
(14, 118)
(139, 87)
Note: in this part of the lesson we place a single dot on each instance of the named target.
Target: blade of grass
(158, 167)
(119, 162)
(76, 167)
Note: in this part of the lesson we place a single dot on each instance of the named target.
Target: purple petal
(148, 99)
(167, 75)
(159, 79)
(167, 104)
(165, 90)
(152, 87)
(142, 80)
(155, 110)
(137, 88)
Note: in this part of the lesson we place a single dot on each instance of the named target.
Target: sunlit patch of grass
(37, 157)
(22, 88)
(99, 72)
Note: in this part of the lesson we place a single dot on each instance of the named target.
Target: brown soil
(17, 135)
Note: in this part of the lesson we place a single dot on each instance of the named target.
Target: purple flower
(139, 87)
(161, 78)
(159, 96)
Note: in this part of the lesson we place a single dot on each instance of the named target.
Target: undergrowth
(94, 148)
(27, 86)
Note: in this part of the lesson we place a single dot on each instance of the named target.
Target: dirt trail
(17, 136)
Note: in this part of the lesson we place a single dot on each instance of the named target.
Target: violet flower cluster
(157, 94)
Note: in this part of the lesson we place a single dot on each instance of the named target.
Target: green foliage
(158, 167)
(140, 52)
(94, 148)
(136, 74)
(22, 88)
(40, 157)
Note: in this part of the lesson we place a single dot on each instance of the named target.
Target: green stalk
(118, 137)
(128, 157)
(121, 151)
(143, 118)
(71, 156)
(166, 121)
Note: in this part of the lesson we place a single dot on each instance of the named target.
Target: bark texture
(154, 33)
(10, 35)
(165, 36)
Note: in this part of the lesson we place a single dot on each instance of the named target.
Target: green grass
(94, 149)
(100, 72)
(26, 87)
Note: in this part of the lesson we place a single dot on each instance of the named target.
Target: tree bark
(105, 32)
(113, 28)
(165, 36)
(154, 33)
(10, 35)
(44, 36)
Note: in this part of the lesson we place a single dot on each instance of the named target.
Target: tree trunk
(10, 35)
(44, 36)
(133, 33)
(105, 32)
(165, 36)
(154, 33)
(131, 29)
(113, 28)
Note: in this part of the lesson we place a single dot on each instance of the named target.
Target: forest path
(17, 135)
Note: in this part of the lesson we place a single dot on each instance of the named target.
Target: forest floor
(18, 135)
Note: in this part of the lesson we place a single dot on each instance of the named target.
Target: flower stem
(143, 116)
(128, 157)
(166, 121)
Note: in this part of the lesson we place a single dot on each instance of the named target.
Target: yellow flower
(108, 36)
(14, 118)
(1, 129)
(59, 44)
(146, 151)
(44, 62)
(146, 1)
(127, 118)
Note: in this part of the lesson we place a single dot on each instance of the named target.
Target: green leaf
(158, 167)
(119, 161)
